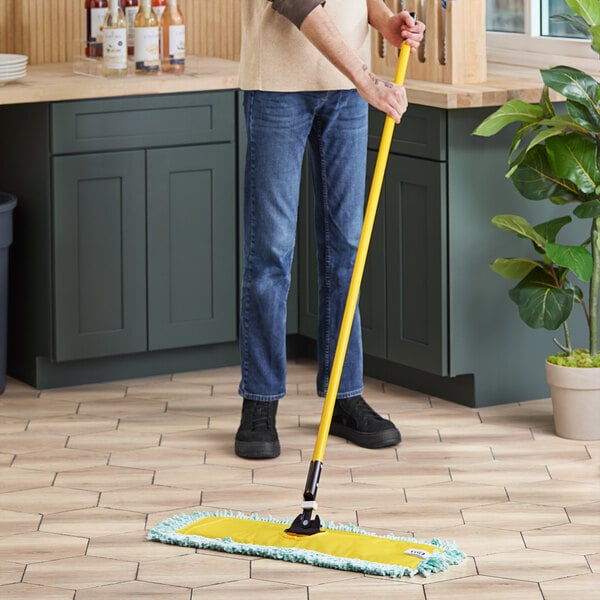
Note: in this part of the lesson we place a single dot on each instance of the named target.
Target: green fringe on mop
(443, 555)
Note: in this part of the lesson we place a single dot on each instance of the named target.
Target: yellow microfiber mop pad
(343, 547)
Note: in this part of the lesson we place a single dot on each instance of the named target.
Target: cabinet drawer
(421, 133)
(142, 122)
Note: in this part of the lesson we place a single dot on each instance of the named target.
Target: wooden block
(454, 47)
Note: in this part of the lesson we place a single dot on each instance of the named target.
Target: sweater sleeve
(296, 10)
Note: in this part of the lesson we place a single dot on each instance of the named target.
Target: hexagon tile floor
(85, 471)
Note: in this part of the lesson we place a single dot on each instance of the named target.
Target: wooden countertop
(54, 82)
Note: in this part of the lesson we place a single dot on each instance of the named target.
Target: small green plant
(554, 156)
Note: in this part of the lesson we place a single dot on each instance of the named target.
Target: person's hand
(402, 28)
(383, 95)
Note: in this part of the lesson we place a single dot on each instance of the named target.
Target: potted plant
(554, 156)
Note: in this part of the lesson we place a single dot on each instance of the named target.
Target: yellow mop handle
(359, 267)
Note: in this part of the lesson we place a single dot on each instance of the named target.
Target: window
(521, 32)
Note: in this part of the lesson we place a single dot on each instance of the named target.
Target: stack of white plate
(12, 66)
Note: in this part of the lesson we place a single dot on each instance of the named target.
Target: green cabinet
(127, 249)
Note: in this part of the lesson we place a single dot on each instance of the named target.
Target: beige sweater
(276, 56)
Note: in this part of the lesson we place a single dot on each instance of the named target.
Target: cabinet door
(99, 255)
(192, 274)
(417, 303)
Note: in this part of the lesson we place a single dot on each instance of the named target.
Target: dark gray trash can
(7, 204)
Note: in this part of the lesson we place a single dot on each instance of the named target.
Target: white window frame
(532, 50)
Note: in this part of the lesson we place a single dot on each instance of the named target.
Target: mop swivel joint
(303, 524)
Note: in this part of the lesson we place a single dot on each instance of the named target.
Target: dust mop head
(344, 547)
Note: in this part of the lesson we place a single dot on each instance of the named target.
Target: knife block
(453, 49)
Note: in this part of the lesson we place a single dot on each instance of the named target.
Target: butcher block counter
(56, 82)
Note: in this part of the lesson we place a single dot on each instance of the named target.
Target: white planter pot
(575, 401)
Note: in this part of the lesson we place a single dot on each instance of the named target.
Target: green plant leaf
(580, 113)
(514, 111)
(513, 268)
(550, 229)
(541, 304)
(595, 33)
(575, 85)
(575, 258)
(575, 157)
(588, 210)
(536, 180)
(589, 10)
(520, 226)
(546, 104)
(577, 23)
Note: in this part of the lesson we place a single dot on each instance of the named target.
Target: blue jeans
(278, 127)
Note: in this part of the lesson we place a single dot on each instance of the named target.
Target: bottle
(95, 11)
(159, 7)
(147, 58)
(172, 43)
(114, 41)
(130, 8)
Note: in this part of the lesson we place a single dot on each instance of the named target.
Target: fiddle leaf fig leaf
(550, 229)
(514, 111)
(575, 158)
(588, 210)
(520, 226)
(589, 10)
(513, 268)
(575, 258)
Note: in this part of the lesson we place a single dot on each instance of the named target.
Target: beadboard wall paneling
(48, 30)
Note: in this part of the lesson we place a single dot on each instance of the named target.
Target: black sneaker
(354, 420)
(257, 436)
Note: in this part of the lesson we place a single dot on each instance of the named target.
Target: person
(306, 80)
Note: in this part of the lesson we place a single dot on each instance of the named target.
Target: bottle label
(177, 44)
(130, 13)
(96, 22)
(146, 48)
(115, 48)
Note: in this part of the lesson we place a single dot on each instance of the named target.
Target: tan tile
(531, 565)
(81, 572)
(297, 574)
(464, 494)
(72, 424)
(26, 591)
(167, 389)
(490, 588)
(515, 415)
(104, 478)
(15, 387)
(38, 546)
(205, 406)
(400, 475)
(407, 517)
(9, 425)
(583, 471)
(210, 376)
(294, 476)
(483, 434)
(114, 441)
(6, 459)
(158, 458)
(585, 514)
(358, 496)
(145, 380)
(365, 587)
(515, 516)
(134, 589)
(48, 500)
(582, 587)
(156, 517)
(90, 522)
(133, 546)
(435, 417)
(227, 458)
(594, 562)
(26, 441)
(540, 453)
(554, 493)
(445, 455)
(85, 393)
(307, 406)
(574, 539)
(200, 439)
(250, 498)
(150, 498)
(203, 477)
(478, 541)
(13, 479)
(10, 573)
(120, 407)
(250, 588)
(18, 522)
(29, 408)
(500, 473)
(350, 456)
(194, 570)
(63, 459)
(162, 423)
